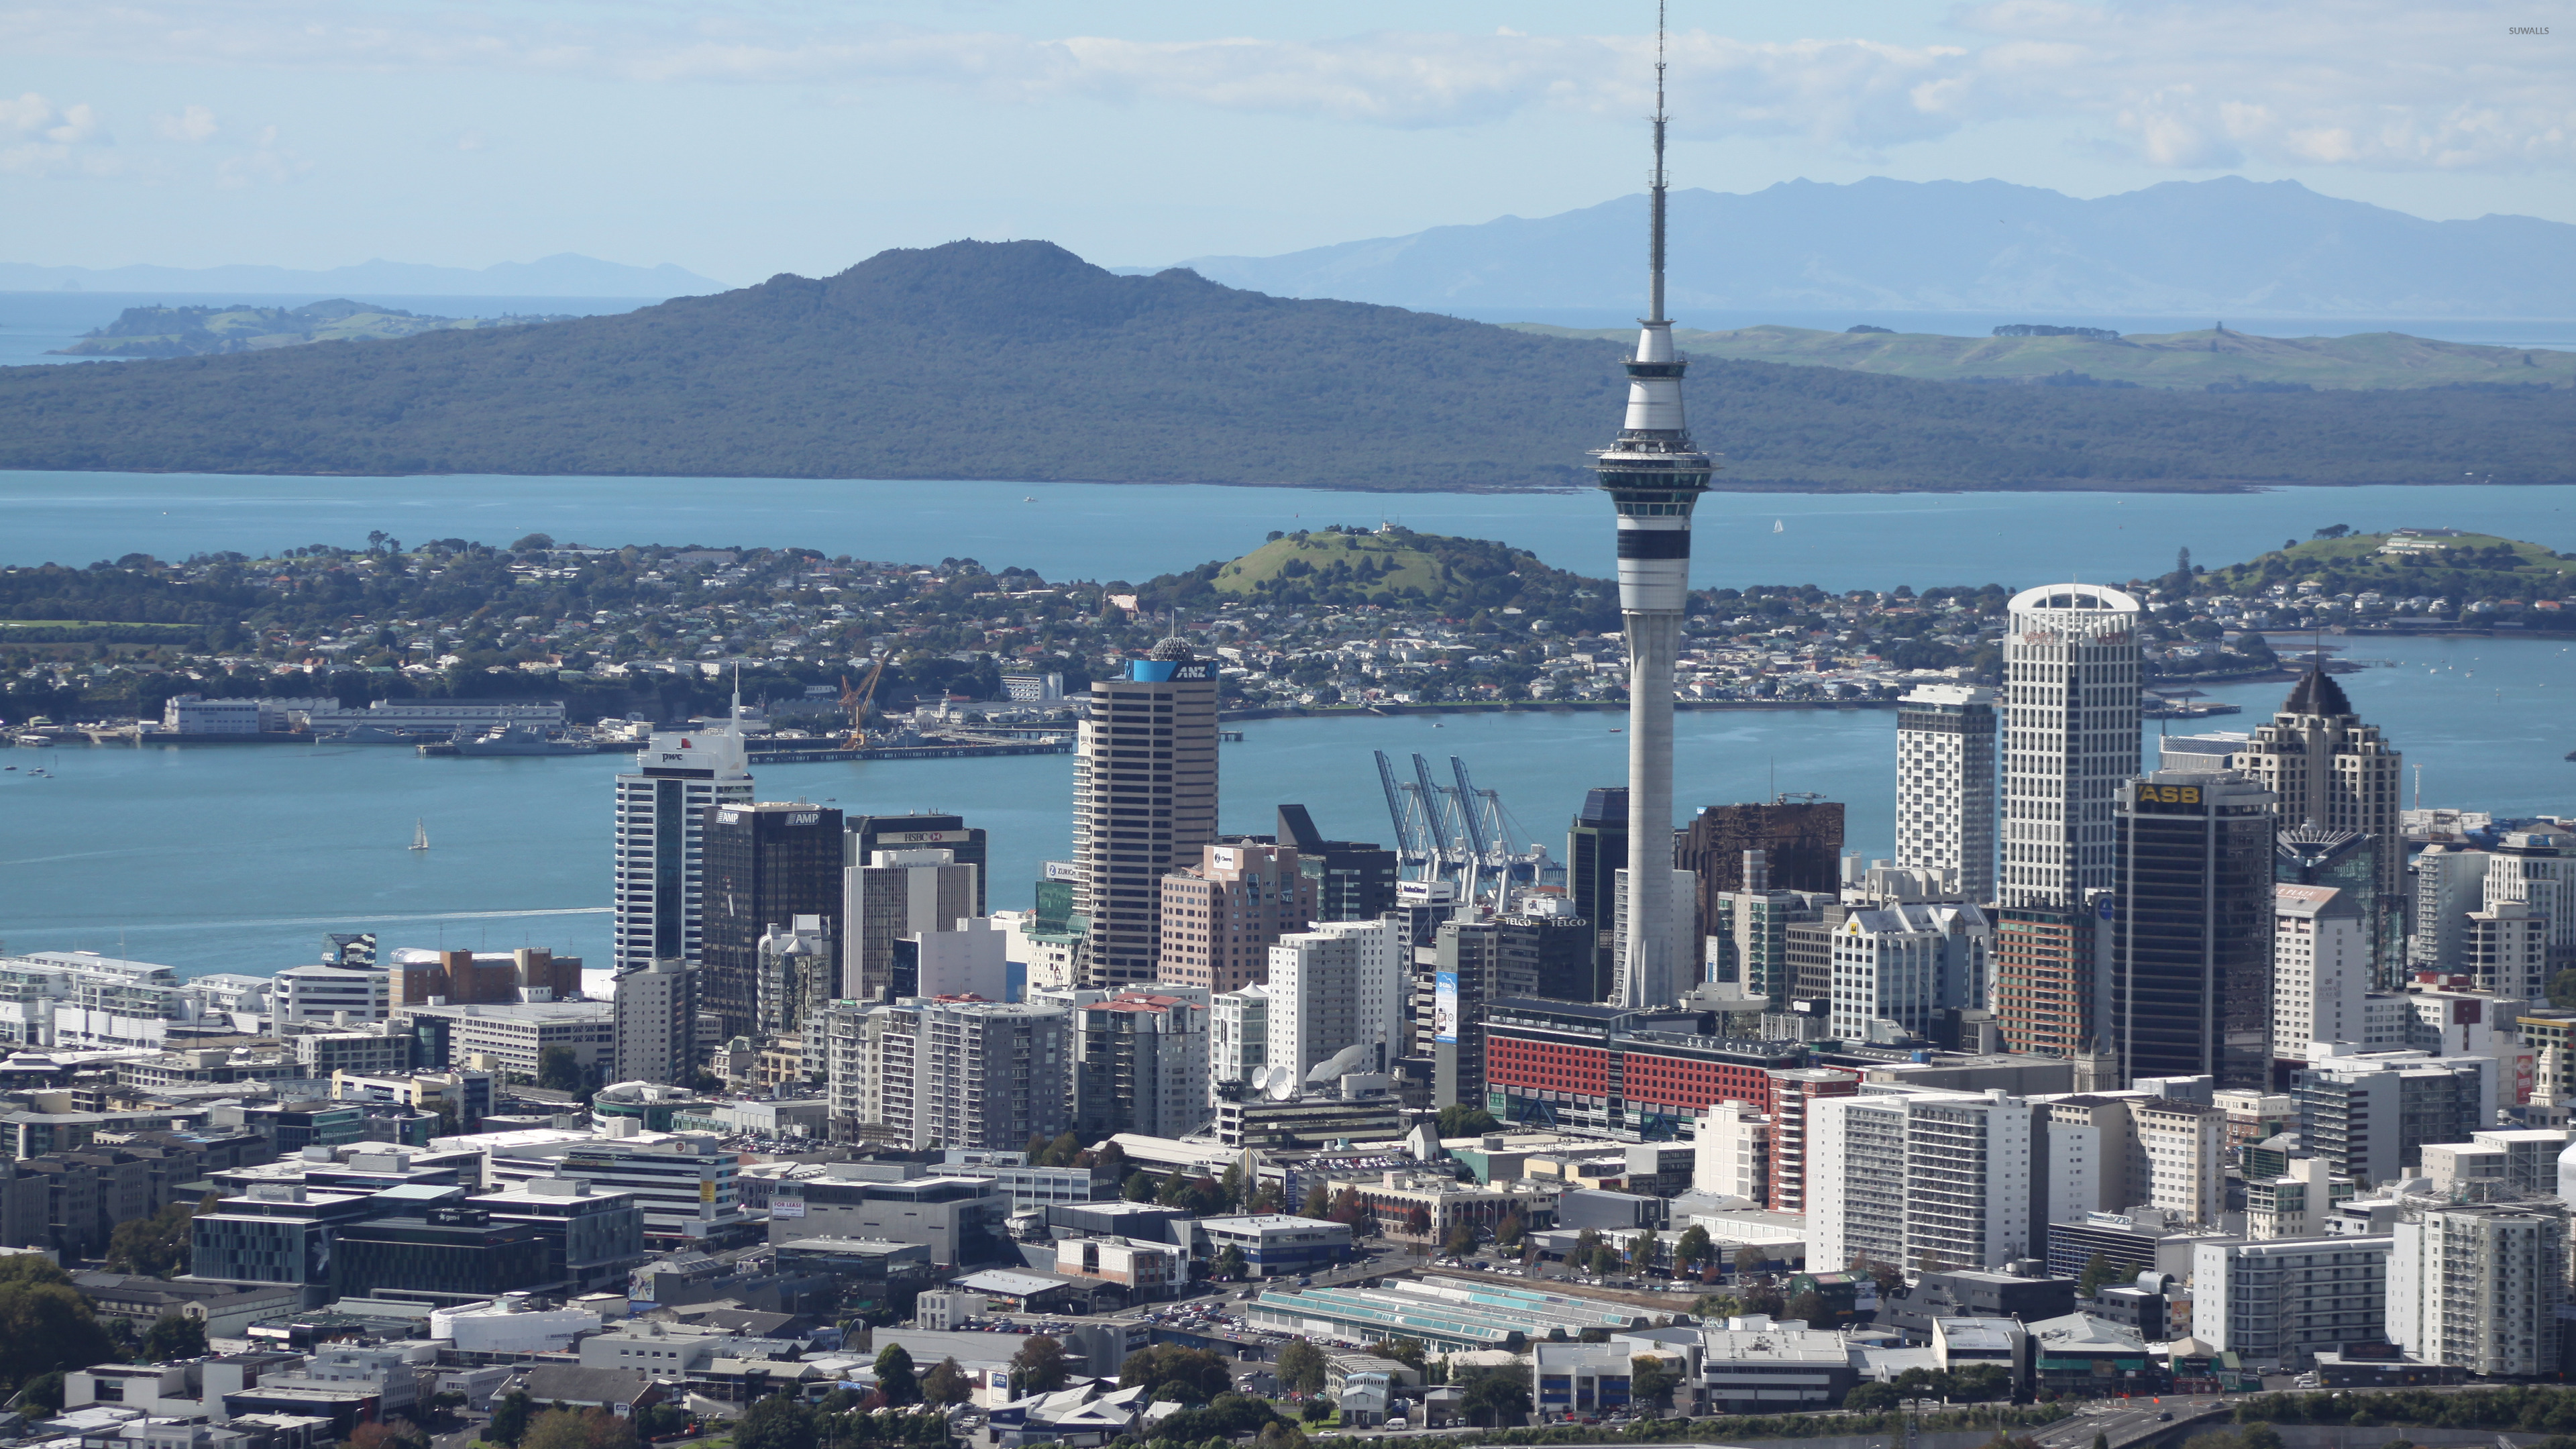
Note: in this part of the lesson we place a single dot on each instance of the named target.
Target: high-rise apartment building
(1945, 786)
(2281, 1301)
(1238, 1036)
(1886, 977)
(1354, 880)
(2191, 940)
(1731, 1152)
(1222, 915)
(1922, 1181)
(2506, 951)
(2179, 1164)
(2371, 1116)
(2538, 869)
(1144, 802)
(2321, 968)
(1749, 936)
(2349, 862)
(2047, 963)
(763, 866)
(2446, 883)
(986, 1075)
(2069, 739)
(656, 1021)
(1140, 1063)
(2332, 772)
(1682, 953)
(799, 974)
(1340, 985)
(660, 841)
(1794, 1093)
(2479, 1287)
(891, 895)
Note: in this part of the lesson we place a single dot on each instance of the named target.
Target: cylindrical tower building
(1654, 477)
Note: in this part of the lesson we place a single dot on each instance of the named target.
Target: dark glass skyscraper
(2191, 938)
(1596, 850)
(1354, 879)
(764, 865)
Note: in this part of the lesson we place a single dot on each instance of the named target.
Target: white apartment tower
(975, 1074)
(1945, 786)
(1238, 1036)
(661, 823)
(1340, 985)
(1919, 1181)
(1886, 976)
(2320, 968)
(2479, 1287)
(2449, 881)
(2538, 869)
(656, 1021)
(2069, 737)
(1144, 803)
(1731, 1151)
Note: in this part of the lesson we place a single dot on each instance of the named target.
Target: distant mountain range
(2217, 249)
(565, 274)
(1071, 373)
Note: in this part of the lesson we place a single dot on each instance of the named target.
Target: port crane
(856, 702)
(1455, 831)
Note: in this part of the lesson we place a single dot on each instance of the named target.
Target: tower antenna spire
(1655, 185)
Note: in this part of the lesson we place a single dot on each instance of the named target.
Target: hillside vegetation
(1019, 360)
(2214, 359)
(1397, 566)
(212, 331)
(2456, 565)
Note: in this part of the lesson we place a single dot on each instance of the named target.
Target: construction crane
(857, 704)
(1456, 832)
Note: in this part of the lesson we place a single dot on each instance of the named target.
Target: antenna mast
(1655, 184)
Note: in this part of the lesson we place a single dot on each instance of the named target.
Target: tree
(1407, 1351)
(2562, 990)
(532, 541)
(2098, 1272)
(945, 1385)
(2334, 530)
(1650, 1379)
(45, 1324)
(156, 1246)
(1317, 1203)
(1870, 1397)
(1038, 1368)
(1197, 1374)
(1810, 1309)
(1461, 1119)
(779, 1421)
(1230, 1264)
(1495, 1395)
(1301, 1367)
(895, 1377)
(509, 1419)
(1280, 1435)
(1139, 1188)
(1510, 1231)
(1750, 1260)
(1461, 1241)
(174, 1336)
(559, 1070)
(1693, 1248)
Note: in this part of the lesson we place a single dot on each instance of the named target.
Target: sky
(743, 138)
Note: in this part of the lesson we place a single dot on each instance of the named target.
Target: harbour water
(238, 858)
(1106, 531)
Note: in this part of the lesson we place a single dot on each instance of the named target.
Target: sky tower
(1654, 476)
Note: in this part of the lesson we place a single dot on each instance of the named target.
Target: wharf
(937, 750)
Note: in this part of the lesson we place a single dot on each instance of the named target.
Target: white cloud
(264, 163)
(192, 125)
(38, 138)
(2189, 84)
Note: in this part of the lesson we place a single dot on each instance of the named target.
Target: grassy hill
(1019, 360)
(211, 331)
(1398, 566)
(2207, 360)
(2460, 566)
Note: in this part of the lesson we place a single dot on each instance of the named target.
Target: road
(2123, 1420)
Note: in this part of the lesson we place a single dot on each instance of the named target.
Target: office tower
(1340, 985)
(1680, 932)
(1238, 1036)
(1596, 850)
(661, 822)
(655, 1018)
(1421, 908)
(1794, 1093)
(1550, 947)
(971, 959)
(2191, 940)
(2479, 1287)
(1140, 1064)
(1222, 915)
(892, 895)
(2281, 1301)
(1923, 1182)
(2506, 951)
(1354, 880)
(2349, 862)
(2043, 986)
(1801, 844)
(1654, 476)
(1945, 785)
(2538, 869)
(764, 865)
(2070, 738)
(799, 974)
(864, 835)
(2320, 968)
(2446, 882)
(1144, 801)
(974, 1074)
(1471, 965)
(1750, 929)
(2332, 772)
(1886, 977)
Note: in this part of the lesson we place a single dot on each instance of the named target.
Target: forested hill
(1018, 360)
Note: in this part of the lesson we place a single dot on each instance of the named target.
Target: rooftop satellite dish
(1279, 1084)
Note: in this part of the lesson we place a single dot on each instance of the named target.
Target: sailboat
(419, 836)
(1779, 527)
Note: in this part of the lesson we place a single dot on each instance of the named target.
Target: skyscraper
(765, 865)
(1596, 850)
(656, 1022)
(2070, 727)
(1222, 915)
(922, 830)
(1654, 476)
(661, 828)
(2191, 941)
(1354, 879)
(893, 894)
(2320, 968)
(1801, 842)
(1945, 785)
(1340, 985)
(1144, 801)
(2332, 772)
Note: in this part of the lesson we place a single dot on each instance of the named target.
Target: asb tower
(1654, 476)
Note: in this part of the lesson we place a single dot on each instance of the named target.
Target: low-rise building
(1147, 1270)
(2278, 1302)
(1756, 1366)
(1276, 1245)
